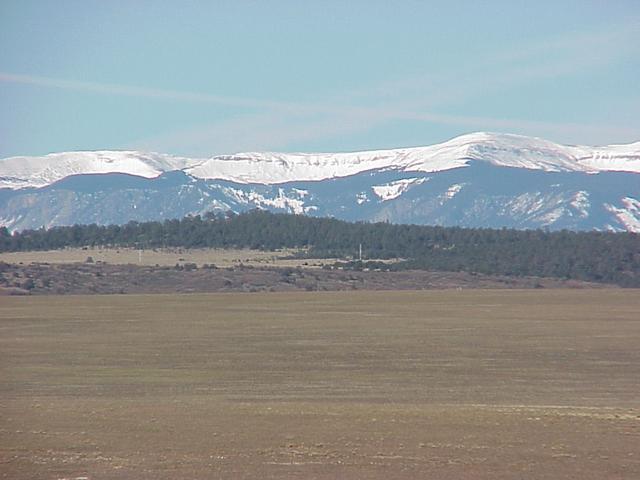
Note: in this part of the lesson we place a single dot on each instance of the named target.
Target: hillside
(476, 180)
(587, 256)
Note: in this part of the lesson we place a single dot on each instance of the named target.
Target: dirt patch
(482, 384)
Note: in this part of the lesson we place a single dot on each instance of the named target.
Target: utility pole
(360, 252)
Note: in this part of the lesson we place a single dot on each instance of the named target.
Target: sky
(214, 77)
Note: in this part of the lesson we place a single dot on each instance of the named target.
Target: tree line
(592, 256)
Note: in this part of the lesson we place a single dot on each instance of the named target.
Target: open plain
(165, 257)
(474, 384)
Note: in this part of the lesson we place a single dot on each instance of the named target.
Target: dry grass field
(450, 384)
(164, 257)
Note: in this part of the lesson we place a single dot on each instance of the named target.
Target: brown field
(164, 257)
(450, 384)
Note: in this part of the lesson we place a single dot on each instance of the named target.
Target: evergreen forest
(590, 256)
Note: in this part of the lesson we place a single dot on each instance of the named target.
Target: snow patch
(10, 222)
(552, 216)
(293, 203)
(392, 190)
(361, 198)
(282, 201)
(628, 215)
(537, 207)
(580, 202)
(453, 190)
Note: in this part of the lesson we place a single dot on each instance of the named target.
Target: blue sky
(211, 77)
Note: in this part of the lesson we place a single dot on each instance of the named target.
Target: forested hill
(592, 256)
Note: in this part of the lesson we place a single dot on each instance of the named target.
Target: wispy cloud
(141, 92)
(266, 124)
(267, 131)
(514, 66)
(271, 131)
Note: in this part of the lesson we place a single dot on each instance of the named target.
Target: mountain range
(475, 180)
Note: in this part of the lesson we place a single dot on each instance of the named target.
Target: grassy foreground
(440, 384)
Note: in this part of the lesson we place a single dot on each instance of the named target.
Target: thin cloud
(294, 108)
(283, 123)
(515, 65)
(614, 42)
(267, 131)
(141, 92)
(278, 124)
(271, 131)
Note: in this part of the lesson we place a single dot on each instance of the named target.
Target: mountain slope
(480, 195)
(271, 168)
(477, 180)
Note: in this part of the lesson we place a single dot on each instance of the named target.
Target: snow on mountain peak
(23, 172)
(499, 149)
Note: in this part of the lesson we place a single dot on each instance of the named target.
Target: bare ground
(443, 384)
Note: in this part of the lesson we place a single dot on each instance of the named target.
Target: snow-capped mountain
(503, 150)
(507, 181)
(37, 172)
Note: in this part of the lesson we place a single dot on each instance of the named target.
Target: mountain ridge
(477, 180)
(507, 150)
